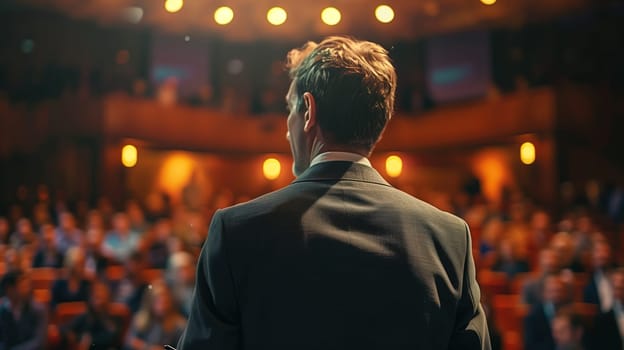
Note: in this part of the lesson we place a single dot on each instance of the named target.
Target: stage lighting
(276, 16)
(331, 16)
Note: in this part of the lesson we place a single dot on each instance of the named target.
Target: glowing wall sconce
(394, 166)
(527, 153)
(129, 156)
(271, 168)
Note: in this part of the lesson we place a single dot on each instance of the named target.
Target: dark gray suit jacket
(339, 259)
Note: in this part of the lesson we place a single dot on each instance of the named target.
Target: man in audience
(599, 290)
(23, 322)
(74, 286)
(130, 289)
(121, 241)
(68, 234)
(24, 234)
(98, 328)
(548, 264)
(609, 326)
(567, 330)
(48, 254)
(537, 324)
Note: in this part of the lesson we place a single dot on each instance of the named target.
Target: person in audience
(599, 290)
(98, 328)
(95, 220)
(509, 261)
(68, 234)
(609, 326)
(74, 286)
(540, 229)
(130, 289)
(181, 277)
(47, 255)
(157, 244)
(23, 322)
(96, 261)
(157, 323)
(532, 288)
(12, 258)
(121, 241)
(567, 330)
(136, 218)
(537, 324)
(24, 235)
(491, 235)
(563, 243)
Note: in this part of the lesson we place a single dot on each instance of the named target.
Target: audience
(157, 322)
(555, 271)
(23, 322)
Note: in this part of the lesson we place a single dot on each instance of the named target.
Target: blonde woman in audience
(157, 322)
(181, 276)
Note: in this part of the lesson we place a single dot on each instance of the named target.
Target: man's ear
(309, 115)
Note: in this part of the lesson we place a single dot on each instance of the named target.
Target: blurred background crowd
(125, 124)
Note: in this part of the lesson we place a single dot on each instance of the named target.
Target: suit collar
(341, 170)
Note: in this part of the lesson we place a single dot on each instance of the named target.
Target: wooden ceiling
(414, 18)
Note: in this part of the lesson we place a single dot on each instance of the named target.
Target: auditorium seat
(508, 311)
(42, 296)
(115, 272)
(65, 312)
(151, 275)
(492, 283)
(43, 277)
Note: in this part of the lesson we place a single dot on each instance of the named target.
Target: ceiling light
(276, 16)
(331, 16)
(223, 15)
(384, 13)
(173, 6)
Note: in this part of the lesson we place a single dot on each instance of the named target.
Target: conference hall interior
(124, 125)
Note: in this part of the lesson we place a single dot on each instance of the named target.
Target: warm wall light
(488, 2)
(173, 6)
(394, 166)
(384, 13)
(223, 15)
(129, 156)
(527, 153)
(331, 16)
(271, 168)
(276, 16)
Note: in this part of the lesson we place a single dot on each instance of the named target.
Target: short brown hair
(353, 83)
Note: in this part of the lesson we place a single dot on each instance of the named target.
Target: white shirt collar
(340, 156)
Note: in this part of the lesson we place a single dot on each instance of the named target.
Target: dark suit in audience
(606, 334)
